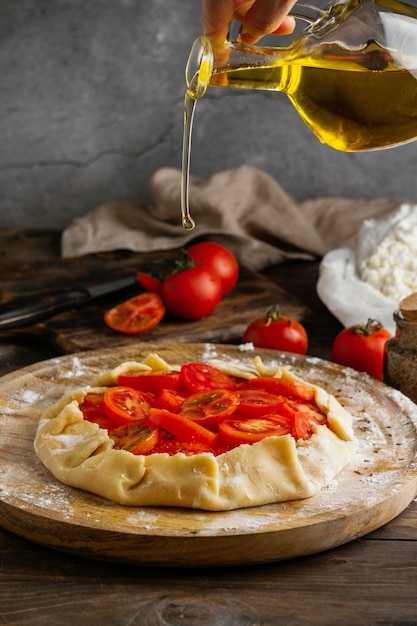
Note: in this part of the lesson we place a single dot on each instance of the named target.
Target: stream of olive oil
(352, 103)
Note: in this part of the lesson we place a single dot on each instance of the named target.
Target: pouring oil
(351, 102)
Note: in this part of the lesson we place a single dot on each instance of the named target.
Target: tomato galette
(214, 436)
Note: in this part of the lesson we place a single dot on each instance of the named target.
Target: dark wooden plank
(363, 582)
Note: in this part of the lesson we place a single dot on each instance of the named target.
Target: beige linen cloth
(243, 208)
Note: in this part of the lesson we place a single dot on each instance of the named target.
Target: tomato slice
(304, 423)
(183, 428)
(170, 400)
(281, 386)
(172, 446)
(135, 437)
(137, 314)
(252, 429)
(124, 405)
(93, 411)
(202, 376)
(255, 402)
(208, 407)
(152, 381)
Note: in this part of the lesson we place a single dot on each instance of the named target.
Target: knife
(30, 309)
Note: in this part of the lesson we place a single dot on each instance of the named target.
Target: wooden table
(372, 580)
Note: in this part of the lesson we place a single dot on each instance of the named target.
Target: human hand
(258, 18)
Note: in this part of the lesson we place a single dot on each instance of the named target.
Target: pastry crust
(277, 469)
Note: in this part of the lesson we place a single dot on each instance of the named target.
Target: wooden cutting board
(376, 486)
(84, 328)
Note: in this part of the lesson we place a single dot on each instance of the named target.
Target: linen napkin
(243, 208)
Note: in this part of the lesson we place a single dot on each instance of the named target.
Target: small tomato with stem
(277, 332)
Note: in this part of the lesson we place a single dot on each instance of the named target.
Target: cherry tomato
(202, 376)
(277, 332)
(152, 381)
(208, 407)
(219, 259)
(135, 437)
(283, 386)
(193, 293)
(170, 400)
(150, 283)
(362, 347)
(304, 423)
(172, 446)
(137, 314)
(93, 411)
(250, 430)
(254, 402)
(183, 428)
(124, 405)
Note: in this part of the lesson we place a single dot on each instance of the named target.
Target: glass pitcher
(351, 74)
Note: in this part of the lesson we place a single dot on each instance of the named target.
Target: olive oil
(352, 101)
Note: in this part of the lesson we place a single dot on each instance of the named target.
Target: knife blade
(31, 309)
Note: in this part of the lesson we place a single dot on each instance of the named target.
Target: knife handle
(32, 309)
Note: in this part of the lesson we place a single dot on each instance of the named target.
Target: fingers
(267, 17)
(216, 16)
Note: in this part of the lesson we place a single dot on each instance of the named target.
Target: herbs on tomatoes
(277, 332)
(201, 409)
(362, 347)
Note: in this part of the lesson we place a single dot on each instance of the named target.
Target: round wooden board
(372, 490)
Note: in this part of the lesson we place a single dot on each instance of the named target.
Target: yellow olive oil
(351, 102)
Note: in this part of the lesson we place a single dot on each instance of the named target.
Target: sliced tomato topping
(250, 430)
(182, 427)
(152, 381)
(93, 411)
(208, 407)
(124, 405)
(172, 446)
(254, 402)
(170, 400)
(283, 386)
(304, 423)
(136, 437)
(137, 314)
(201, 377)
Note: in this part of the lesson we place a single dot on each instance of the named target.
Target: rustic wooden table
(372, 580)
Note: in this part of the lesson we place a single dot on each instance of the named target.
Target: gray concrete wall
(92, 105)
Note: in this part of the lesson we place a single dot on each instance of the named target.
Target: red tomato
(208, 407)
(283, 386)
(124, 405)
(277, 332)
(137, 314)
(254, 402)
(193, 293)
(362, 347)
(135, 437)
(250, 430)
(183, 428)
(93, 411)
(219, 259)
(152, 381)
(303, 425)
(170, 400)
(149, 283)
(172, 446)
(202, 376)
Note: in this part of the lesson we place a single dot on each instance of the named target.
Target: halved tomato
(124, 405)
(250, 430)
(202, 376)
(135, 437)
(93, 410)
(304, 423)
(137, 314)
(255, 402)
(208, 407)
(170, 400)
(172, 446)
(183, 428)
